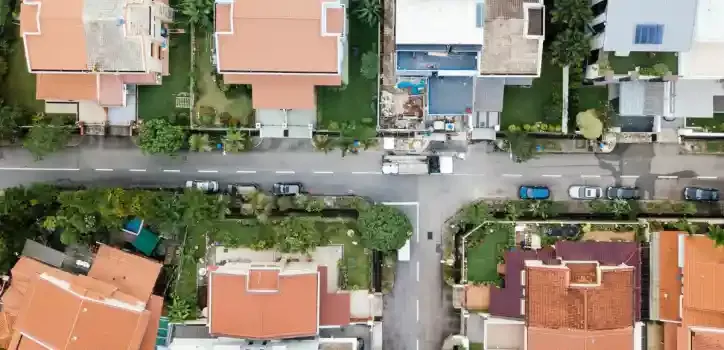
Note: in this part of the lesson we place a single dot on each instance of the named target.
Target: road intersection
(417, 312)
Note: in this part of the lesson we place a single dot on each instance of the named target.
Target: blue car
(534, 192)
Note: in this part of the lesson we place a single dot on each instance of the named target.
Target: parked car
(563, 231)
(534, 192)
(701, 194)
(623, 192)
(287, 188)
(585, 192)
(242, 189)
(206, 186)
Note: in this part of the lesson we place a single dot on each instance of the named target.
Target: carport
(271, 122)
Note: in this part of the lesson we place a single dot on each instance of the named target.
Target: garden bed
(715, 124)
(626, 64)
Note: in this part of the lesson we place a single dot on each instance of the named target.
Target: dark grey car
(622, 192)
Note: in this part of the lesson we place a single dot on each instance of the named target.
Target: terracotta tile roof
(66, 87)
(703, 275)
(334, 308)
(279, 36)
(557, 339)
(132, 274)
(7, 324)
(671, 331)
(670, 283)
(607, 254)
(583, 273)
(23, 275)
(335, 20)
(76, 313)
(283, 92)
(155, 307)
(291, 311)
(552, 303)
(60, 43)
(505, 302)
(707, 341)
(110, 90)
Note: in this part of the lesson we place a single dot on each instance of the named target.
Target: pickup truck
(416, 164)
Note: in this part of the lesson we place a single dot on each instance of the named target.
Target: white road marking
(668, 177)
(324, 172)
(552, 175)
(417, 307)
(367, 173)
(208, 171)
(285, 171)
(137, 170)
(41, 169)
(706, 177)
(103, 169)
(171, 171)
(629, 176)
(512, 175)
(417, 344)
(246, 171)
(418, 271)
(590, 176)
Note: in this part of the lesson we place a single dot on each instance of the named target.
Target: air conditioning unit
(257, 125)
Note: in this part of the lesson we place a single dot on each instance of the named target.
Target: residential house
(632, 38)
(273, 301)
(454, 58)
(283, 49)
(685, 270)
(88, 55)
(578, 295)
(112, 307)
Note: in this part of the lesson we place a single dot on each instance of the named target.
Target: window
(479, 14)
(652, 34)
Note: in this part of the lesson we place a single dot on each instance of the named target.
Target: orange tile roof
(132, 274)
(335, 20)
(110, 90)
(583, 273)
(279, 36)
(66, 87)
(707, 341)
(7, 324)
(334, 308)
(703, 275)
(59, 44)
(155, 307)
(552, 303)
(290, 311)
(79, 318)
(559, 339)
(283, 91)
(670, 285)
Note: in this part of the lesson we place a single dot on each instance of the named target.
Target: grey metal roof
(43, 253)
(695, 98)
(677, 17)
(641, 98)
(488, 95)
(112, 32)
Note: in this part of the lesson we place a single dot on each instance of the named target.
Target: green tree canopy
(383, 228)
(46, 137)
(521, 146)
(234, 141)
(10, 119)
(589, 124)
(370, 64)
(200, 13)
(158, 136)
(199, 143)
(368, 11)
(297, 235)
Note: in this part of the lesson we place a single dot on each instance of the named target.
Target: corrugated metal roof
(43, 253)
(677, 17)
(489, 94)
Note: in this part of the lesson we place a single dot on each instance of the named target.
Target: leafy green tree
(512, 210)
(180, 309)
(199, 143)
(522, 147)
(571, 13)
(369, 11)
(199, 13)
(370, 64)
(10, 118)
(46, 137)
(158, 136)
(570, 48)
(383, 228)
(716, 233)
(234, 141)
(542, 209)
(475, 214)
(297, 235)
(589, 124)
(323, 143)
(686, 226)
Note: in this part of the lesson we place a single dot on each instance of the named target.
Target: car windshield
(590, 192)
(530, 192)
(699, 193)
(715, 195)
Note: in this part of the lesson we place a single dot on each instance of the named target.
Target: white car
(206, 186)
(585, 192)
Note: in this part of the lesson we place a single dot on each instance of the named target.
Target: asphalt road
(417, 311)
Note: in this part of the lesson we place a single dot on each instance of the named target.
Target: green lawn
(483, 256)
(355, 101)
(527, 105)
(476, 346)
(356, 260)
(592, 97)
(236, 104)
(160, 101)
(711, 124)
(18, 87)
(625, 64)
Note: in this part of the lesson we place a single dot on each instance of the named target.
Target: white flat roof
(709, 23)
(443, 22)
(703, 61)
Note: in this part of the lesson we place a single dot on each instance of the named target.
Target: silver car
(206, 186)
(585, 192)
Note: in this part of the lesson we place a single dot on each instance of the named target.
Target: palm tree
(686, 226)
(322, 143)
(234, 141)
(369, 11)
(199, 143)
(512, 211)
(199, 12)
